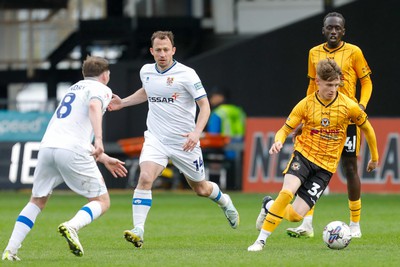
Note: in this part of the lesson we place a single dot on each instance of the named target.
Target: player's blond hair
(328, 70)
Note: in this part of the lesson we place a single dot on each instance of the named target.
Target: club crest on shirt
(295, 166)
(325, 122)
(170, 81)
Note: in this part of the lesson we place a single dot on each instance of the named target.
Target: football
(336, 235)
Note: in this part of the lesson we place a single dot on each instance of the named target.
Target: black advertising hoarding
(17, 164)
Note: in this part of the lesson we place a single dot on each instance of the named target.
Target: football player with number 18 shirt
(66, 154)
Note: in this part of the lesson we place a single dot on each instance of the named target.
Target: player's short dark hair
(328, 70)
(94, 66)
(334, 14)
(163, 35)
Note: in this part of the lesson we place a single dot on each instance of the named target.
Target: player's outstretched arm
(280, 138)
(115, 103)
(137, 97)
(275, 148)
(372, 144)
(372, 165)
(113, 165)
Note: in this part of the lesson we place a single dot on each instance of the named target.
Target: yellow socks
(277, 211)
(355, 210)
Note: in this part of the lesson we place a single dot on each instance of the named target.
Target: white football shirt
(171, 96)
(70, 126)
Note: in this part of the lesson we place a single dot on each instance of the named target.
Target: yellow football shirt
(324, 128)
(350, 59)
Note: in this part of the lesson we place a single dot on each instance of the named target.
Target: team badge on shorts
(295, 166)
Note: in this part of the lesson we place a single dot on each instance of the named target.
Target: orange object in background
(131, 146)
(214, 141)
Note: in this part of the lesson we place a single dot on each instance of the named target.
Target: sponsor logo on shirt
(175, 96)
(159, 99)
(331, 134)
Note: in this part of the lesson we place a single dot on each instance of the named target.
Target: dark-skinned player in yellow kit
(354, 67)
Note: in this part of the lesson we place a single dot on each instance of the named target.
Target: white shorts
(79, 172)
(191, 163)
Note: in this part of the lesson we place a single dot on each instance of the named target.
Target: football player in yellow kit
(325, 115)
(354, 67)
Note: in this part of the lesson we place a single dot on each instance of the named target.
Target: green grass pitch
(185, 230)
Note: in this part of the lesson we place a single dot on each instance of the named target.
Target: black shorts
(314, 179)
(352, 144)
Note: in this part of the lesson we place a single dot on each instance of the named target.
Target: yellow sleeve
(312, 73)
(312, 87)
(293, 120)
(283, 133)
(366, 90)
(371, 139)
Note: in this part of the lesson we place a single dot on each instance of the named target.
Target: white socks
(85, 215)
(23, 225)
(263, 235)
(141, 204)
(217, 196)
(307, 222)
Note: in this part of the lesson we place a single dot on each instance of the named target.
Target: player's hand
(115, 103)
(116, 167)
(275, 148)
(372, 165)
(191, 142)
(98, 148)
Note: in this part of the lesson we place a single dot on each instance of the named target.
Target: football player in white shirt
(67, 155)
(172, 91)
